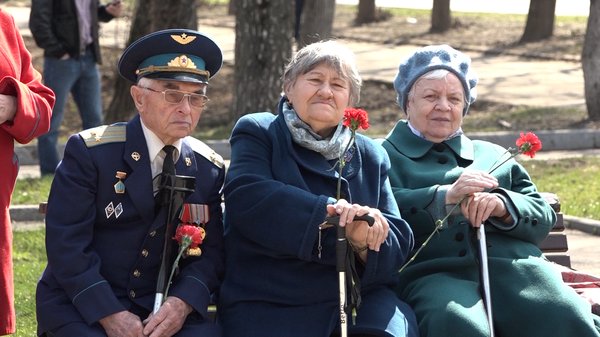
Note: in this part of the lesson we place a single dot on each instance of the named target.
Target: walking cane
(173, 190)
(485, 277)
(341, 251)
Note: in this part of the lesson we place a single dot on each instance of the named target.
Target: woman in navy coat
(281, 277)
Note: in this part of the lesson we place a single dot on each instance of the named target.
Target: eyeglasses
(176, 96)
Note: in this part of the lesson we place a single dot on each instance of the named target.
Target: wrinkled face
(320, 97)
(169, 121)
(435, 107)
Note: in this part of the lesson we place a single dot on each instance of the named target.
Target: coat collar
(412, 146)
(139, 180)
(314, 161)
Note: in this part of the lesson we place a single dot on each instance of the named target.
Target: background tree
(540, 21)
(263, 45)
(231, 7)
(590, 59)
(441, 19)
(148, 16)
(366, 12)
(316, 21)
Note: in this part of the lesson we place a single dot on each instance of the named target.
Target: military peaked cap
(176, 54)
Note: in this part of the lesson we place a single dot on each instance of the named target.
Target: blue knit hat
(430, 58)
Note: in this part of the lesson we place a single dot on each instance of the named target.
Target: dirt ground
(489, 33)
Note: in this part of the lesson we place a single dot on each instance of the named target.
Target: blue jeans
(81, 77)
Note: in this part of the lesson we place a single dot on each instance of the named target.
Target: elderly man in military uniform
(104, 230)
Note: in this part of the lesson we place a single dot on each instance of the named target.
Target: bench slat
(562, 259)
(555, 242)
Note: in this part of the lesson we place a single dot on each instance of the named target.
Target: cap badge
(183, 38)
(182, 62)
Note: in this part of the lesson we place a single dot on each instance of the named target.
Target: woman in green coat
(434, 167)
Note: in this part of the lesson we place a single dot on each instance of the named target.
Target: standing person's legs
(86, 92)
(59, 75)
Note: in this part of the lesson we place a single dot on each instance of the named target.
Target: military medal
(196, 215)
(196, 251)
(109, 210)
(118, 210)
(119, 185)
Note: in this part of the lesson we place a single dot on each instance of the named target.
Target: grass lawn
(29, 258)
(576, 181)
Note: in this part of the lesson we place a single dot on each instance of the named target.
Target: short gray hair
(333, 54)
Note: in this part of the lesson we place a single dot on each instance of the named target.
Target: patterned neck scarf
(304, 136)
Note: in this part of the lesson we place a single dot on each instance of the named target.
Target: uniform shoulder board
(104, 134)
(205, 151)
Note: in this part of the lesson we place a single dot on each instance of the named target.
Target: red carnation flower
(355, 118)
(189, 232)
(528, 144)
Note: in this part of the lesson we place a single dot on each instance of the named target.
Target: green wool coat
(442, 284)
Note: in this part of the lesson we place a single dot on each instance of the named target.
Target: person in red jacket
(25, 110)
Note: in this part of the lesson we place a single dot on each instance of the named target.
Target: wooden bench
(555, 246)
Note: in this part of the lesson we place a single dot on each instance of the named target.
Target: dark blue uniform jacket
(104, 248)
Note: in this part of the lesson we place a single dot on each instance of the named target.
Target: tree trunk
(231, 7)
(540, 21)
(440, 16)
(316, 21)
(590, 59)
(366, 12)
(263, 46)
(174, 14)
(149, 16)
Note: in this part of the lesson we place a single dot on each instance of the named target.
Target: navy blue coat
(100, 263)
(275, 198)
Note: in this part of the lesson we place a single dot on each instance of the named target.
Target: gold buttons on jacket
(152, 234)
(131, 293)
(145, 253)
(136, 273)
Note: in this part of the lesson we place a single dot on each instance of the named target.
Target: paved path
(563, 7)
(506, 79)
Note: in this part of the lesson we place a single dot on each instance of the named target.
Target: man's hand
(8, 108)
(168, 320)
(122, 324)
(115, 8)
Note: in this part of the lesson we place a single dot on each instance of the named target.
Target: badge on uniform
(196, 215)
(119, 185)
(110, 209)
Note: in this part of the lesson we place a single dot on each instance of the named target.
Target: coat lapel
(139, 181)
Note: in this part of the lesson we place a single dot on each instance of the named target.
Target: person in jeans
(68, 33)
